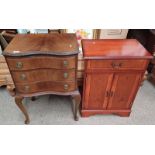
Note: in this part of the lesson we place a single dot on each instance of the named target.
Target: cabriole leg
(18, 101)
(76, 100)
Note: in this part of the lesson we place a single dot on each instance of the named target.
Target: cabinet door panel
(123, 90)
(96, 88)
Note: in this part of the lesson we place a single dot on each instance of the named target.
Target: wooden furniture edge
(86, 113)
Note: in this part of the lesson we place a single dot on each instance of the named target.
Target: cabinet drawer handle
(107, 93)
(22, 76)
(19, 65)
(116, 65)
(113, 64)
(26, 88)
(65, 75)
(65, 63)
(65, 86)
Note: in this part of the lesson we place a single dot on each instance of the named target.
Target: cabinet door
(123, 91)
(96, 91)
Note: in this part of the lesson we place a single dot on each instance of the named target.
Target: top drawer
(36, 62)
(117, 64)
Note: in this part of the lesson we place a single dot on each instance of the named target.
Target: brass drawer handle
(120, 64)
(26, 88)
(107, 93)
(65, 86)
(65, 63)
(65, 75)
(19, 65)
(22, 76)
(114, 65)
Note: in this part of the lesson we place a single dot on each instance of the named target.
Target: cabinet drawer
(117, 64)
(43, 75)
(45, 86)
(38, 62)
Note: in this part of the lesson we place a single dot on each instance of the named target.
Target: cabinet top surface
(114, 49)
(31, 44)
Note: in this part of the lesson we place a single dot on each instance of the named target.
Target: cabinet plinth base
(122, 113)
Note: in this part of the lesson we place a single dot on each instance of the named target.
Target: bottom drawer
(46, 86)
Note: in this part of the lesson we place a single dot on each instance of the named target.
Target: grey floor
(58, 110)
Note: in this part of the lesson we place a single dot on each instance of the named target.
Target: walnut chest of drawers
(114, 70)
(43, 64)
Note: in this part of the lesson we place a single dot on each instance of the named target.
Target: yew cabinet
(43, 64)
(114, 70)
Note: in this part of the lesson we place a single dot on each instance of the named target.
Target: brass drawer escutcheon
(22, 76)
(66, 86)
(19, 65)
(65, 63)
(26, 88)
(65, 75)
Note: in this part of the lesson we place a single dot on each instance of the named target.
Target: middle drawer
(44, 75)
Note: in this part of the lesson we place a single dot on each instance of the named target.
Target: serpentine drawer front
(43, 64)
(45, 86)
(44, 75)
(39, 62)
(114, 70)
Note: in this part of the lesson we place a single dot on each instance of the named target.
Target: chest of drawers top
(114, 49)
(46, 44)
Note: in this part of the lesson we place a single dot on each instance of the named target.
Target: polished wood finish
(123, 90)
(38, 75)
(97, 98)
(44, 64)
(33, 44)
(45, 86)
(114, 49)
(117, 64)
(39, 62)
(113, 73)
